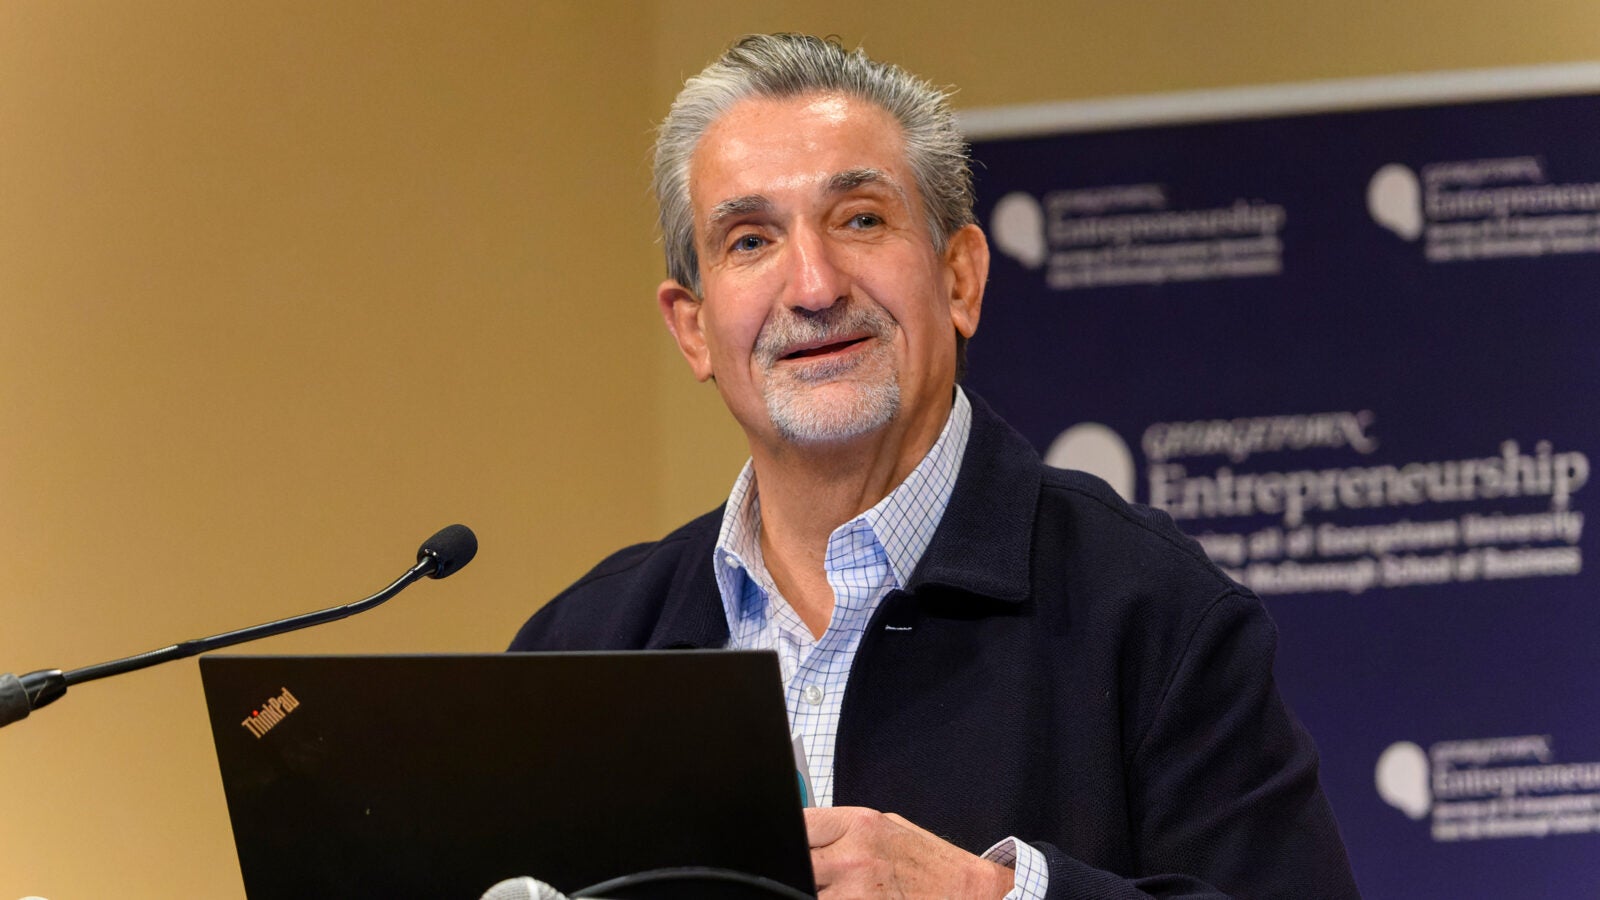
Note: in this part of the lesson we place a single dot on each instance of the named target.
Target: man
(1045, 690)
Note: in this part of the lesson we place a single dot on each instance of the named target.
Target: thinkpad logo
(270, 714)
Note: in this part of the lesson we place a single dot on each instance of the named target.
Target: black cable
(765, 886)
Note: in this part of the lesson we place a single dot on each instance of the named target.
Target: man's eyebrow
(737, 206)
(850, 179)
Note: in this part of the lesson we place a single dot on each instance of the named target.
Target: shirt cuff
(1033, 872)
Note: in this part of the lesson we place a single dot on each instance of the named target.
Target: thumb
(826, 824)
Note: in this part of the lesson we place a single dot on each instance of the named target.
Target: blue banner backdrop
(1354, 354)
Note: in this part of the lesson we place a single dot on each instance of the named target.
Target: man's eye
(748, 242)
(865, 220)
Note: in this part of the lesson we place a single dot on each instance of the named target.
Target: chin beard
(802, 417)
(818, 401)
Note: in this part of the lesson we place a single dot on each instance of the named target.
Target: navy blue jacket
(1063, 667)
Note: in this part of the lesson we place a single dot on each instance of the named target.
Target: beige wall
(287, 286)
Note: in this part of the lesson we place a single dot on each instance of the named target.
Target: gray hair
(791, 65)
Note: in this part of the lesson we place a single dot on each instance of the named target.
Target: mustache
(838, 322)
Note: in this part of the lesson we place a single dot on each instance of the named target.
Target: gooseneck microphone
(439, 557)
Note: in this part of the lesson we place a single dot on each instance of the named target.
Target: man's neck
(808, 491)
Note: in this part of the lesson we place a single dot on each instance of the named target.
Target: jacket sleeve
(1223, 793)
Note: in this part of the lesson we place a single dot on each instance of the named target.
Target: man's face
(825, 312)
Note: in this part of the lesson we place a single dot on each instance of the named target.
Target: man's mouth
(823, 349)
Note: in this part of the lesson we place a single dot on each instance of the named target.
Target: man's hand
(858, 852)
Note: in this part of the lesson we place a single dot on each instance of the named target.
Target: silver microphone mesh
(523, 889)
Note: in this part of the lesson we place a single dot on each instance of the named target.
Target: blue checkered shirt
(867, 557)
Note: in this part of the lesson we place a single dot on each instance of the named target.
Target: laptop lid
(438, 776)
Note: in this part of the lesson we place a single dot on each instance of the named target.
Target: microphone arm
(47, 685)
(440, 556)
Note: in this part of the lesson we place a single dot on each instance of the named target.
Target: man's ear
(680, 308)
(967, 261)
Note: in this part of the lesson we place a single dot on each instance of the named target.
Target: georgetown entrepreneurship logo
(1490, 788)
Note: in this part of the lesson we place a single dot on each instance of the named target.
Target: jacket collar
(691, 612)
(984, 544)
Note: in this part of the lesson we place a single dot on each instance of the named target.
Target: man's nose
(816, 280)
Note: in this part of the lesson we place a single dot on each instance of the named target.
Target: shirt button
(813, 695)
(731, 561)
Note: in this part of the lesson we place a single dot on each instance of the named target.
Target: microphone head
(523, 889)
(450, 549)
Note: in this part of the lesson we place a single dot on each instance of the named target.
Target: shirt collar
(903, 522)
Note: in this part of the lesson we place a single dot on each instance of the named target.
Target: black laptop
(438, 776)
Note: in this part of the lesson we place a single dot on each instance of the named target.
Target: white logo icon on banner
(1018, 228)
(1402, 778)
(1096, 449)
(1394, 198)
